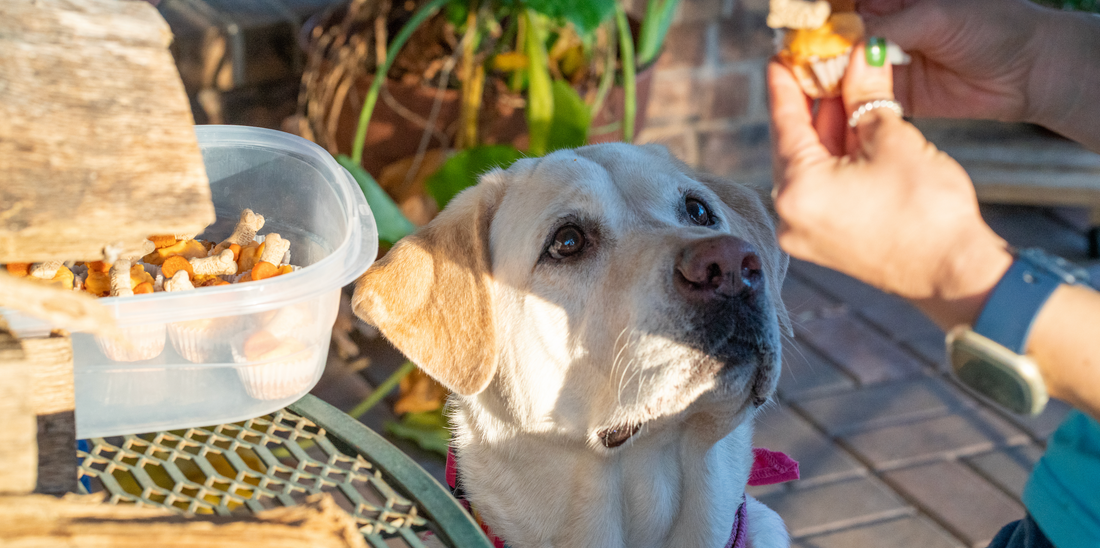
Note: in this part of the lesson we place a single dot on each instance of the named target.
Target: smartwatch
(989, 357)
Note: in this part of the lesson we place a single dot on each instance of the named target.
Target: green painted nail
(876, 51)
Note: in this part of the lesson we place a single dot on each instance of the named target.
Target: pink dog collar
(768, 467)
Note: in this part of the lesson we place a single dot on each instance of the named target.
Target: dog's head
(589, 293)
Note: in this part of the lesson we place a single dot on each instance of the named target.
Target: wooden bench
(1023, 164)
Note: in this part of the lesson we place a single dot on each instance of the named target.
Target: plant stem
(403, 35)
(607, 79)
(516, 83)
(626, 54)
(540, 94)
(473, 79)
(382, 390)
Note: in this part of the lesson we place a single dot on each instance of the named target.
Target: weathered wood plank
(72, 310)
(53, 399)
(18, 451)
(76, 522)
(97, 145)
(1017, 163)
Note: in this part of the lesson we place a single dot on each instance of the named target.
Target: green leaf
(427, 429)
(392, 224)
(540, 95)
(658, 19)
(569, 127)
(585, 14)
(463, 169)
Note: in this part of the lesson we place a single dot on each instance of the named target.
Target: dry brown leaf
(419, 393)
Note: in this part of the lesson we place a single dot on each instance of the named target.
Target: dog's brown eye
(697, 212)
(568, 240)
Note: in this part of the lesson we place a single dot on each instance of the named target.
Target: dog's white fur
(542, 356)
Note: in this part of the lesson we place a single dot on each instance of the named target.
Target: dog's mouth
(617, 435)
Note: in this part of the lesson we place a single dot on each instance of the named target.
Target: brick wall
(708, 102)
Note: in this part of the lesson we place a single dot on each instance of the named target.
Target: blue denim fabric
(1024, 533)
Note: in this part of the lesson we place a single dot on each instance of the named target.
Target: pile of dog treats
(173, 263)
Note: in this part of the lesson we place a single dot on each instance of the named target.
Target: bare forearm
(1065, 341)
(1064, 88)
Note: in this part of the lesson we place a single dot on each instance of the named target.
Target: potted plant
(466, 86)
(533, 74)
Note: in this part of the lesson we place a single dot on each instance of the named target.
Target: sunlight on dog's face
(596, 336)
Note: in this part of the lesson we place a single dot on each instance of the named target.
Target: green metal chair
(278, 460)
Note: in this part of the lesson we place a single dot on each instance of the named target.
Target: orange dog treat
(163, 241)
(19, 269)
(188, 249)
(64, 278)
(143, 288)
(250, 255)
(98, 283)
(264, 270)
(138, 276)
(208, 280)
(236, 249)
(175, 264)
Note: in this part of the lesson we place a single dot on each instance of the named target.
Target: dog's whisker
(788, 341)
(618, 352)
(624, 379)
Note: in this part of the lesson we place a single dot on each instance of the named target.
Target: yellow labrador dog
(609, 321)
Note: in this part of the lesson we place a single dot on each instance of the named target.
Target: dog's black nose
(717, 268)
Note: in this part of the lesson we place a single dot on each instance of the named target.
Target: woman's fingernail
(876, 51)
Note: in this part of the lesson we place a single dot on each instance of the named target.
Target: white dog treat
(46, 270)
(798, 14)
(180, 281)
(120, 279)
(275, 247)
(147, 247)
(249, 224)
(215, 265)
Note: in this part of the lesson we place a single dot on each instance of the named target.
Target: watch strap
(1014, 303)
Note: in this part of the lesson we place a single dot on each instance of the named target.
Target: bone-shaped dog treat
(249, 223)
(798, 14)
(179, 281)
(215, 265)
(46, 270)
(275, 247)
(120, 279)
(147, 247)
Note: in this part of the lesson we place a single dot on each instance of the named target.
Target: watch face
(1004, 377)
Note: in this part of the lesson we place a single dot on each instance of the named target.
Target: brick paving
(893, 451)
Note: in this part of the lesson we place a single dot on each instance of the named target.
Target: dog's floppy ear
(431, 295)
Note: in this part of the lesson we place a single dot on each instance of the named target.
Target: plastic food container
(208, 368)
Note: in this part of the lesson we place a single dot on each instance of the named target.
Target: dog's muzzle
(721, 282)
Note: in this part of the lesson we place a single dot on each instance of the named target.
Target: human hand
(879, 202)
(970, 59)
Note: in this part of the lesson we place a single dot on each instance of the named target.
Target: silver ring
(872, 105)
